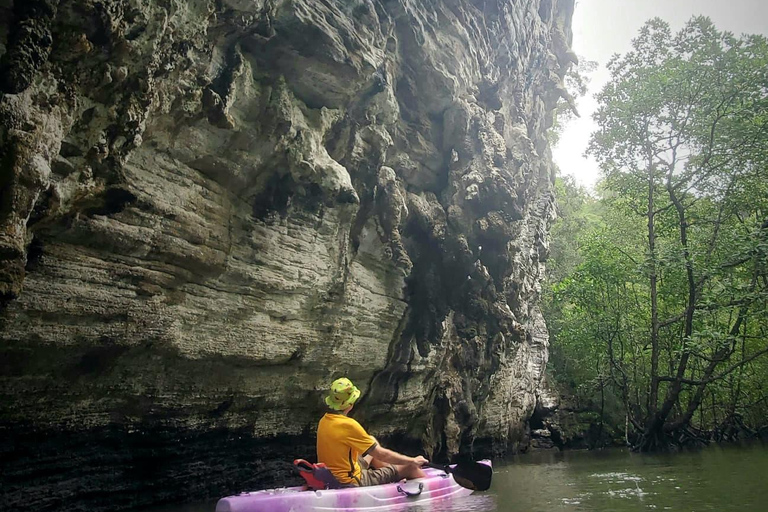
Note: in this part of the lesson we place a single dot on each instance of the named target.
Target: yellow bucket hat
(343, 394)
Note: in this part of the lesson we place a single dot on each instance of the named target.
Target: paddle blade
(473, 475)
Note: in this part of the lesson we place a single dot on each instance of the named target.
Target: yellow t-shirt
(340, 441)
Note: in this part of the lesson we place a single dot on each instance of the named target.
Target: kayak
(436, 485)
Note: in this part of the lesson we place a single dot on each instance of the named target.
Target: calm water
(714, 479)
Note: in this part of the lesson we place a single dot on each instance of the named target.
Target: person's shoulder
(353, 423)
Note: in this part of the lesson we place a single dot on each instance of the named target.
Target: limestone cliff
(209, 209)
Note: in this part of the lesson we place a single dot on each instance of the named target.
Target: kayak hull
(437, 485)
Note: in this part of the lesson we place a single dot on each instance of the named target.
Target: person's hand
(419, 461)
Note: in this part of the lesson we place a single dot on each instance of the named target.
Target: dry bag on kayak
(317, 476)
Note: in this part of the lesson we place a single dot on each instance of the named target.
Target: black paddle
(470, 475)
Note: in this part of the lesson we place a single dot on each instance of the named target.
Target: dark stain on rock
(545, 10)
(101, 23)
(7, 178)
(488, 96)
(222, 408)
(86, 117)
(131, 466)
(100, 359)
(29, 44)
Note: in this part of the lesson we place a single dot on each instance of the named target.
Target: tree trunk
(653, 396)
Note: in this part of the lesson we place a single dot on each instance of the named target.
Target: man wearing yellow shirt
(350, 453)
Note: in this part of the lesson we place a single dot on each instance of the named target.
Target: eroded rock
(212, 209)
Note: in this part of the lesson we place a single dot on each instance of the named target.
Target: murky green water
(713, 479)
(716, 479)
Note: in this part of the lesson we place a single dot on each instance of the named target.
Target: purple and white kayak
(437, 485)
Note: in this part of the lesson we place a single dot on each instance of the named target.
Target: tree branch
(722, 375)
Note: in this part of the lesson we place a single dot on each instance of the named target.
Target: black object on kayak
(470, 475)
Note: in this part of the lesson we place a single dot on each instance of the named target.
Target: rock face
(211, 209)
(565, 420)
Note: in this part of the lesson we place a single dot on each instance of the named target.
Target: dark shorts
(370, 476)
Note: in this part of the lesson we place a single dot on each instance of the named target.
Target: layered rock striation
(210, 209)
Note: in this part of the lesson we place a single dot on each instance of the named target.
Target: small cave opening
(34, 254)
(537, 419)
(488, 96)
(276, 197)
(114, 200)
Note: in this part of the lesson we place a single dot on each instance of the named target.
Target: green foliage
(660, 286)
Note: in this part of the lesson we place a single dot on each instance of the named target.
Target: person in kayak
(350, 453)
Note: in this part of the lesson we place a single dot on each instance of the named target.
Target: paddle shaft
(447, 469)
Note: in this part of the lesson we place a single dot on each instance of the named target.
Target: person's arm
(378, 452)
